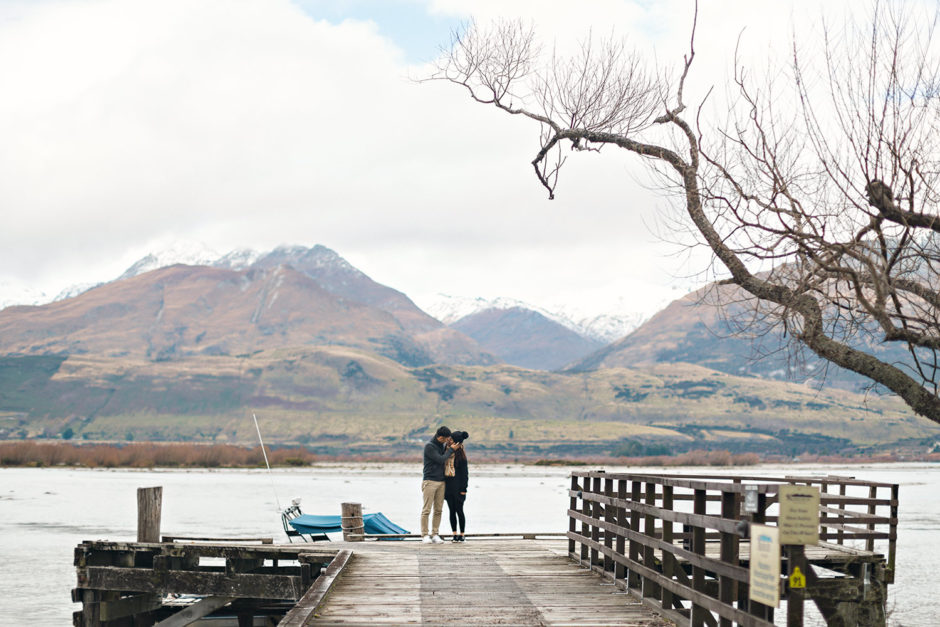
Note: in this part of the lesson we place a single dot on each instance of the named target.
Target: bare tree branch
(821, 205)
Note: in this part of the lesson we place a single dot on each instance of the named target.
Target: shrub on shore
(692, 458)
(147, 455)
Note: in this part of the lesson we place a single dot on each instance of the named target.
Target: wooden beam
(129, 606)
(306, 609)
(194, 612)
(285, 587)
(262, 540)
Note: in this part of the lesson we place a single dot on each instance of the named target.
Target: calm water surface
(45, 513)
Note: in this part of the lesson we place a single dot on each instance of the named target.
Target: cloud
(129, 124)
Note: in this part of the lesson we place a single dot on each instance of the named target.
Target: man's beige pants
(433, 492)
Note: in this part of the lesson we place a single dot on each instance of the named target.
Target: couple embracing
(445, 477)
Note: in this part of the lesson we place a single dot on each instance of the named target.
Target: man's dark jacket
(434, 456)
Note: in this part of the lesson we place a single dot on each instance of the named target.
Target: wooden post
(353, 528)
(609, 517)
(619, 570)
(669, 567)
(596, 508)
(893, 540)
(149, 509)
(700, 506)
(650, 587)
(795, 560)
(728, 548)
(633, 579)
(572, 522)
(586, 511)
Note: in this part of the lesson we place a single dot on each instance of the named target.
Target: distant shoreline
(38, 454)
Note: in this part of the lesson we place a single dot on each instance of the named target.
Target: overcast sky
(130, 126)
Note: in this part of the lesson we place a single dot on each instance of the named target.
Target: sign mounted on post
(799, 514)
(764, 578)
(750, 499)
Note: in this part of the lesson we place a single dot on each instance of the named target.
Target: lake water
(45, 513)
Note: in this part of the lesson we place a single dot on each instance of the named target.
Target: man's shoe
(426, 539)
(437, 539)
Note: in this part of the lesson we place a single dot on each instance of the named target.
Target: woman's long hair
(460, 454)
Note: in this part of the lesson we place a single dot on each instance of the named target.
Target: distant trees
(817, 196)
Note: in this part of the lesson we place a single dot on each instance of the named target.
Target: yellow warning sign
(797, 578)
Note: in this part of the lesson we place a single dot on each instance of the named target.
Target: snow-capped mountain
(188, 253)
(73, 290)
(13, 294)
(603, 327)
(329, 268)
(449, 309)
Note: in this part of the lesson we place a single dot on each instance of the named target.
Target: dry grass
(147, 455)
(692, 458)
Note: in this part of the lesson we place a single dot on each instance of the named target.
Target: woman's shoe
(456, 538)
(460, 538)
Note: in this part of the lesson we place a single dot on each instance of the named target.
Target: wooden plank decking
(478, 582)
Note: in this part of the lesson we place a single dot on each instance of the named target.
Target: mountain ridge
(525, 338)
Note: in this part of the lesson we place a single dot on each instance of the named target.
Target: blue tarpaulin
(373, 523)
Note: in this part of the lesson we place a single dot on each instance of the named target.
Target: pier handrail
(628, 527)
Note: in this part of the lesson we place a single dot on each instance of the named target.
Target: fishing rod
(273, 489)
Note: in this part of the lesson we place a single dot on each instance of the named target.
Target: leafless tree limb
(821, 205)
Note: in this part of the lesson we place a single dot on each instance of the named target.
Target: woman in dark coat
(456, 478)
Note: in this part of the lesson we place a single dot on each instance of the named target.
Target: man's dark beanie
(442, 432)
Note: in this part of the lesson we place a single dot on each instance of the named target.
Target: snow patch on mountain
(188, 253)
(12, 293)
(605, 327)
(238, 259)
(74, 290)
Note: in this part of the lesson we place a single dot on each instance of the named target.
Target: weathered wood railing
(680, 543)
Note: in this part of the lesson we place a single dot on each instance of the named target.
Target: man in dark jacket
(436, 453)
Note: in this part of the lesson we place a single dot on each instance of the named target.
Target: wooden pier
(640, 550)
(483, 581)
(477, 582)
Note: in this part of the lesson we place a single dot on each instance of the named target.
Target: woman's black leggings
(455, 506)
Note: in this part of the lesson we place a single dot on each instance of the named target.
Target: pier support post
(149, 509)
(353, 528)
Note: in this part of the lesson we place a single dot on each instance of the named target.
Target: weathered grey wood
(795, 559)
(227, 550)
(190, 582)
(698, 598)
(353, 529)
(129, 606)
(736, 572)
(711, 548)
(149, 509)
(484, 582)
(305, 611)
(91, 608)
(195, 611)
(262, 540)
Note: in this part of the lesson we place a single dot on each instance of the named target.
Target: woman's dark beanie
(459, 436)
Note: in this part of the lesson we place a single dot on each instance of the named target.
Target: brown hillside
(177, 311)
